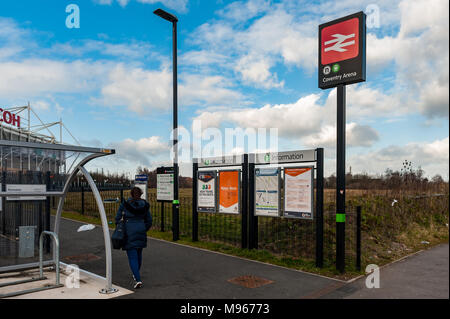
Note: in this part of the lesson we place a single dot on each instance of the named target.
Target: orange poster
(229, 192)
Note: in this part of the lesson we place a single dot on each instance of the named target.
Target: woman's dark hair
(136, 193)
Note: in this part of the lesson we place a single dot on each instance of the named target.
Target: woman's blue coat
(138, 221)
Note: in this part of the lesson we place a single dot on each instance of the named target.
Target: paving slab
(88, 286)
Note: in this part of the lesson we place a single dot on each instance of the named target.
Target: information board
(229, 192)
(26, 188)
(267, 191)
(164, 184)
(298, 192)
(206, 191)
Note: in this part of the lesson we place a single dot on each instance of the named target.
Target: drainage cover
(81, 258)
(250, 281)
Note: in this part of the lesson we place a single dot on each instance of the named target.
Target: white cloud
(312, 122)
(257, 71)
(431, 157)
(356, 135)
(420, 52)
(142, 151)
(34, 77)
(177, 5)
(299, 118)
(207, 90)
(202, 57)
(241, 11)
(132, 49)
(138, 89)
(142, 90)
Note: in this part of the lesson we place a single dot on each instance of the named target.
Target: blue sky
(249, 64)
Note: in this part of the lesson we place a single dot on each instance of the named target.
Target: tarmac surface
(424, 275)
(174, 271)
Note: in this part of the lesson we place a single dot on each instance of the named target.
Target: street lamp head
(165, 15)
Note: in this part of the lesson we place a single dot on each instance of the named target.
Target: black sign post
(342, 61)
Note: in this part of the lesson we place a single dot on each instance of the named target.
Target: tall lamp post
(175, 204)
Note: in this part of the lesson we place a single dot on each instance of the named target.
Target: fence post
(253, 220)
(3, 188)
(319, 209)
(82, 199)
(47, 212)
(244, 216)
(18, 208)
(194, 201)
(358, 238)
(162, 216)
(121, 194)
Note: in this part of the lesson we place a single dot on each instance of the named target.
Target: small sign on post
(165, 184)
(141, 181)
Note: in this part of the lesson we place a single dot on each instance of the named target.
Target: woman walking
(138, 220)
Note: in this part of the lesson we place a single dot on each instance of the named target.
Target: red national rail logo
(340, 41)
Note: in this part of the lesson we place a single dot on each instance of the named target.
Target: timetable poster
(298, 192)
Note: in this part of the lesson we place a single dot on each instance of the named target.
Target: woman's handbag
(118, 237)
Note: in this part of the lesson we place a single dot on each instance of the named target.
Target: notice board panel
(206, 191)
(164, 184)
(298, 192)
(267, 192)
(229, 188)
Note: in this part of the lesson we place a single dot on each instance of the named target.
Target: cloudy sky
(242, 64)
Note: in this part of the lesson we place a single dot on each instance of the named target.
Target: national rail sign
(342, 51)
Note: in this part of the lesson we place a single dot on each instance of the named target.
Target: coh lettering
(9, 118)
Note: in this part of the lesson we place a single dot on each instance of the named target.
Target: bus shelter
(21, 187)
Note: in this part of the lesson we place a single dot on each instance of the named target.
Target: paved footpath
(171, 270)
(424, 275)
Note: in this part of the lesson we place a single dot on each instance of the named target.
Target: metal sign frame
(219, 162)
(309, 156)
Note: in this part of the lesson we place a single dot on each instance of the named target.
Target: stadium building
(15, 125)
